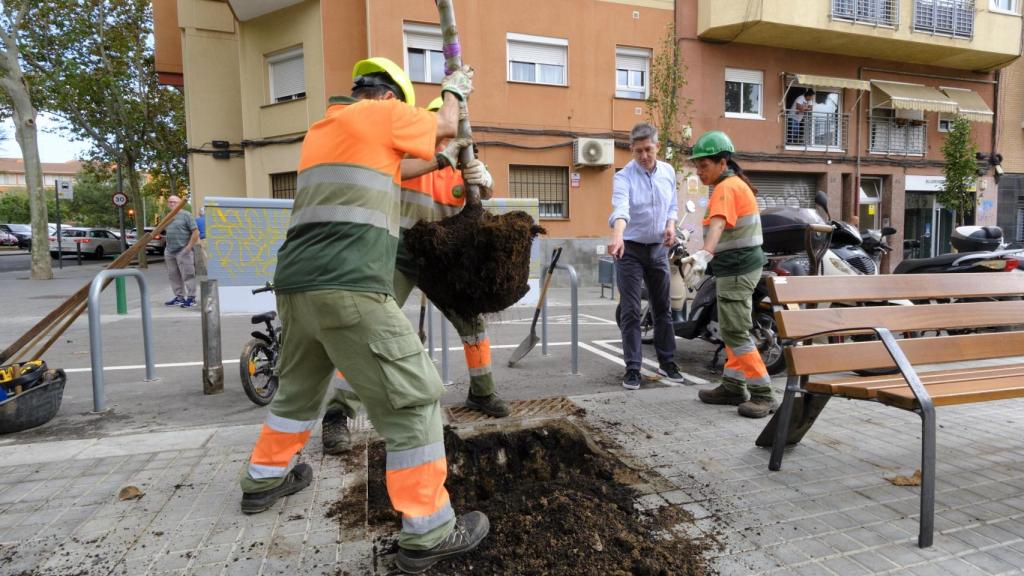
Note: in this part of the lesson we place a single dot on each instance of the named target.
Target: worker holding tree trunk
(430, 197)
(334, 283)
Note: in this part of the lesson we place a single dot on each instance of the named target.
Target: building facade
(559, 83)
(1010, 144)
(12, 173)
(888, 77)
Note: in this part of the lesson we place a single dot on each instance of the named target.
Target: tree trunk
(135, 193)
(27, 136)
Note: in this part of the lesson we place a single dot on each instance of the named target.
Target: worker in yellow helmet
(335, 297)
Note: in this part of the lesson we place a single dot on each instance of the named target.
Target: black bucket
(35, 406)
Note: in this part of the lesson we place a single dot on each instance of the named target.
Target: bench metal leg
(806, 409)
(782, 425)
(927, 528)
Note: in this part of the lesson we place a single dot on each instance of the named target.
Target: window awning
(970, 104)
(831, 82)
(900, 96)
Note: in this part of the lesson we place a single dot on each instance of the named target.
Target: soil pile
(474, 262)
(556, 507)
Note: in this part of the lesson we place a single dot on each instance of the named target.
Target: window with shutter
(743, 93)
(287, 76)
(424, 58)
(537, 59)
(632, 69)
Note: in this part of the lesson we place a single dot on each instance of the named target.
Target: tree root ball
(474, 262)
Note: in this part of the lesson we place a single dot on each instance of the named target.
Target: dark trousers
(645, 263)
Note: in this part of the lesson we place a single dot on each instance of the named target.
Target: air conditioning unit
(593, 152)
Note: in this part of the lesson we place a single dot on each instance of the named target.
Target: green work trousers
(744, 366)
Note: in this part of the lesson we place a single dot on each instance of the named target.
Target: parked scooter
(698, 316)
(977, 249)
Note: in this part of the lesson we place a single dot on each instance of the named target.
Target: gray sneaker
(758, 407)
(469, 530)
(335, 435)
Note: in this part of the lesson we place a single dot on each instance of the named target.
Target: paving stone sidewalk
(828, 511)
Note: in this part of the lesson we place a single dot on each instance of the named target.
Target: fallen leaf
(652, 378)
(130, 493)
(914, 480)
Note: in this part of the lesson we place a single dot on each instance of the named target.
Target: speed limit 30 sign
(119, 199)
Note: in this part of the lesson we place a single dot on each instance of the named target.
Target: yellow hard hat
(394, 71)
(435, 104)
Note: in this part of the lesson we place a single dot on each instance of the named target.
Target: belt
(642, 244)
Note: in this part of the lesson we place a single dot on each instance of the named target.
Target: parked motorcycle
(698, 316)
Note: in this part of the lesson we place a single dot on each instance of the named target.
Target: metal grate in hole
(558, 406)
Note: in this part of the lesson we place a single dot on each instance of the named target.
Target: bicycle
(258, 362)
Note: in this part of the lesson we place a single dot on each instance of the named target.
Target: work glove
(476, 173)
(450, 155)
(459, 82)
(695, 265)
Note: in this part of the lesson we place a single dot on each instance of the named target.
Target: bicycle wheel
(256, 368)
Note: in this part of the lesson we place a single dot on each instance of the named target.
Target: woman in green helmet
(732, 237)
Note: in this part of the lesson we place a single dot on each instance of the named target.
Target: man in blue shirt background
(643, 222)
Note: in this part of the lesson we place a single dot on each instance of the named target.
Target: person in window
(732, 237)
(643, 222)
(799, 116)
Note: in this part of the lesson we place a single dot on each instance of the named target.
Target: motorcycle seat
(265, 317)
(916, 264)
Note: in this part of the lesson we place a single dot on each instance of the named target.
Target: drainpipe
(856, 170)
(369, 44)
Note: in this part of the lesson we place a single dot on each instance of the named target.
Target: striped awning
(970, 104)
(831, 82)
(901, 96)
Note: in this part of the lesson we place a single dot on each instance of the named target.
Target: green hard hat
(711, 143)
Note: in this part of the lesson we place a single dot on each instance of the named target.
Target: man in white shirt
(798, 116)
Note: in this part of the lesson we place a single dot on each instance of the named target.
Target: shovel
(526, 345)
(423, 316)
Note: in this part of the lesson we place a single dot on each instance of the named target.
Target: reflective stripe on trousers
(409, 474)
(477, 348)
(749, 369)
(280, 439)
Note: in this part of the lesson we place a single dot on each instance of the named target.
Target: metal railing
(816, 130)
(898, 136)
(945, 17)
(872, 12)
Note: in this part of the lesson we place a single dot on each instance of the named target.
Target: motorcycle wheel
(766, 338)
(646, 324)
(256, 368)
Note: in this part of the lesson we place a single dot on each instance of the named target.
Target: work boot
(632, 379)
(469, 530)
(298, 478)
(671, 372)
(176, 301)
(334, 433)
(722, 395)
(490, 405)
(758, 407)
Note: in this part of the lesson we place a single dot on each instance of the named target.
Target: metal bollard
(444, 352)
(213, 365)
(96, 339)
(574, 315)
(78, 252)
(430, 329)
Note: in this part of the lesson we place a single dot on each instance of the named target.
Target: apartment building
(558, 84)
(888, 77)
(12, 173)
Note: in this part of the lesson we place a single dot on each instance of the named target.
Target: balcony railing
(816, 130)
(945, 17)
(873, 12)
(898, 136)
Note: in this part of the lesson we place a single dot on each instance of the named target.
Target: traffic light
(131, 212)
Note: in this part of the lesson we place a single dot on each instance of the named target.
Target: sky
(52, 147)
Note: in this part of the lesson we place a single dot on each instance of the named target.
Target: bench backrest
(994, 302)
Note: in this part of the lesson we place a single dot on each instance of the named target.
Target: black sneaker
(469, 530)
(671, 372)
(490, 405)
(298, 478)
(335, 435)
(176, 301)
(632, 379)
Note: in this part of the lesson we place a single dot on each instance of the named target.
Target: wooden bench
(954, 302)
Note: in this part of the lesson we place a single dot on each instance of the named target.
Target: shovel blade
(524, 348)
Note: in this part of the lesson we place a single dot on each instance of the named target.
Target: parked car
(155, 245)
(23, 232)
(8, 239)
(95, 242)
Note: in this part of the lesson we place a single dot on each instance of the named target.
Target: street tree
(15, 19)
(960, 170)
(667, 108)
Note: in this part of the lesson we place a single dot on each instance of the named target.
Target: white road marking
(618, 360)
(688, 376)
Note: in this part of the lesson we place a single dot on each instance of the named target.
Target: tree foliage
(961, 170)
(668, 110)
